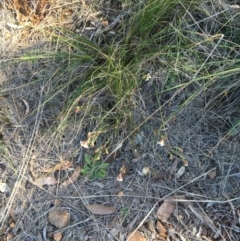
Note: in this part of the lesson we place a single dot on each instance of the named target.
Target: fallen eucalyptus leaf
(59, 218)
(60, 166)
(168, 206)
(99, 209)
(166, 209)
(73, 178)
(40, 182)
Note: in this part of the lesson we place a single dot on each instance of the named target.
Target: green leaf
(87, 159)
(104, 165)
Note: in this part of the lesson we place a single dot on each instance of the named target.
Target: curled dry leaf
(99, 209)
(59, 218)
(27, 106)
(60, 166)
(40, 182)
(123, 171)
(73, 178)
(135, 236)
(57, 236)
(84, 144)
(161, 230)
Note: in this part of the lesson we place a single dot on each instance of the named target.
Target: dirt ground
(201, 204)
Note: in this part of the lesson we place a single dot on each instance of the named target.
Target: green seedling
(125, 211)
(94, 168)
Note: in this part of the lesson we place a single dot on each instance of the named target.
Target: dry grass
(192, 100)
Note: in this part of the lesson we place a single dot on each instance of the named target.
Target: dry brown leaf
(166, 209)
(57, 236)
(110, 158)
(60, 166)
(99, 209)
(120, 194)
(212, 174)
(84, 144)
(123, 171)
(40, 182)
(27, 106)
(73, 178)
(161, 230)
(136, 236)
(59, 218)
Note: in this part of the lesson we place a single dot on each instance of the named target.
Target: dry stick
(25, 163)
(141, 223)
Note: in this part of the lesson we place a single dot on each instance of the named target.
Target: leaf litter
(127, 184)
(59, 218)
(167, 207)
(99, 209)
(59, 167)
(40, 182)
(73, 178)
